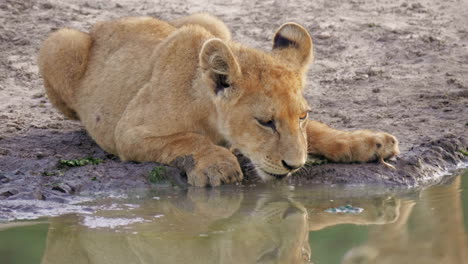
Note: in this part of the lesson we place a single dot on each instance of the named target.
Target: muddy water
(252, 224)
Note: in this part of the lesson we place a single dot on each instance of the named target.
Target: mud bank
(423, 165)
(31, 168)
(398, 66)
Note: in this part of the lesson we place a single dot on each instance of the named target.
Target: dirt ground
(397, 66)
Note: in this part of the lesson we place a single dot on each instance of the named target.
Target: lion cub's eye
(270, 123)
(304, 116)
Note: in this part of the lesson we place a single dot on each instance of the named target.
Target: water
(253, 224)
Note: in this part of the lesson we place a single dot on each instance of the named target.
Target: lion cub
(179, 93)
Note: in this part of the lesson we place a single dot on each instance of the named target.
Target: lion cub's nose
(290, 166)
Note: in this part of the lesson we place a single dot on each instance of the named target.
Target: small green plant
(54, 173)
(464, 152)
(314, 161)
(80, 162)
(156, 175)
(49, 173)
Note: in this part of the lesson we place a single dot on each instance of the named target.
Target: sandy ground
(397, 66)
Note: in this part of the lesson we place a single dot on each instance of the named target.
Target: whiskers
(301, 169)
(250, 167)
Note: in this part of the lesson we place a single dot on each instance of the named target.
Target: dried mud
(397, 66)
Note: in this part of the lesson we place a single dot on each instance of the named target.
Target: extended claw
(388, 165)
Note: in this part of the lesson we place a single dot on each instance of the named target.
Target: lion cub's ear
(293, 43)
(217, 58)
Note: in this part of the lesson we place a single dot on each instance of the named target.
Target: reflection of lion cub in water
(211, 226)
(147, 90)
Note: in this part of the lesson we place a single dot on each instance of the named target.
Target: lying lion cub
(181, 93)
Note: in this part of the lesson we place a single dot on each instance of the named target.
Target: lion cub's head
(261, 110)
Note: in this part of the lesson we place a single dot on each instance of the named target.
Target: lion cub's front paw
(373, 145)
(363, 146)
(219, 167)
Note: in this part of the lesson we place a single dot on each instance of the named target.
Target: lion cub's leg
(207, 21)
(350, 146)
(204, 162)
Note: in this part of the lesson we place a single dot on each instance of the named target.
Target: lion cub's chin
(267, 176)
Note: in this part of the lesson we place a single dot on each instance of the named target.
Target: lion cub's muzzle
(291, 166)
(281, 172)
(286, 165)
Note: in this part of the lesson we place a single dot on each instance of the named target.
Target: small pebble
(324, 35)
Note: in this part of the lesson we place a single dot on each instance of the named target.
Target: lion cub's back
(134, 31)
(120, 64)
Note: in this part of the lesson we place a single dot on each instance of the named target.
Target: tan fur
(353, 146)
(147, 90)
(67, 53)
(208, 22)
